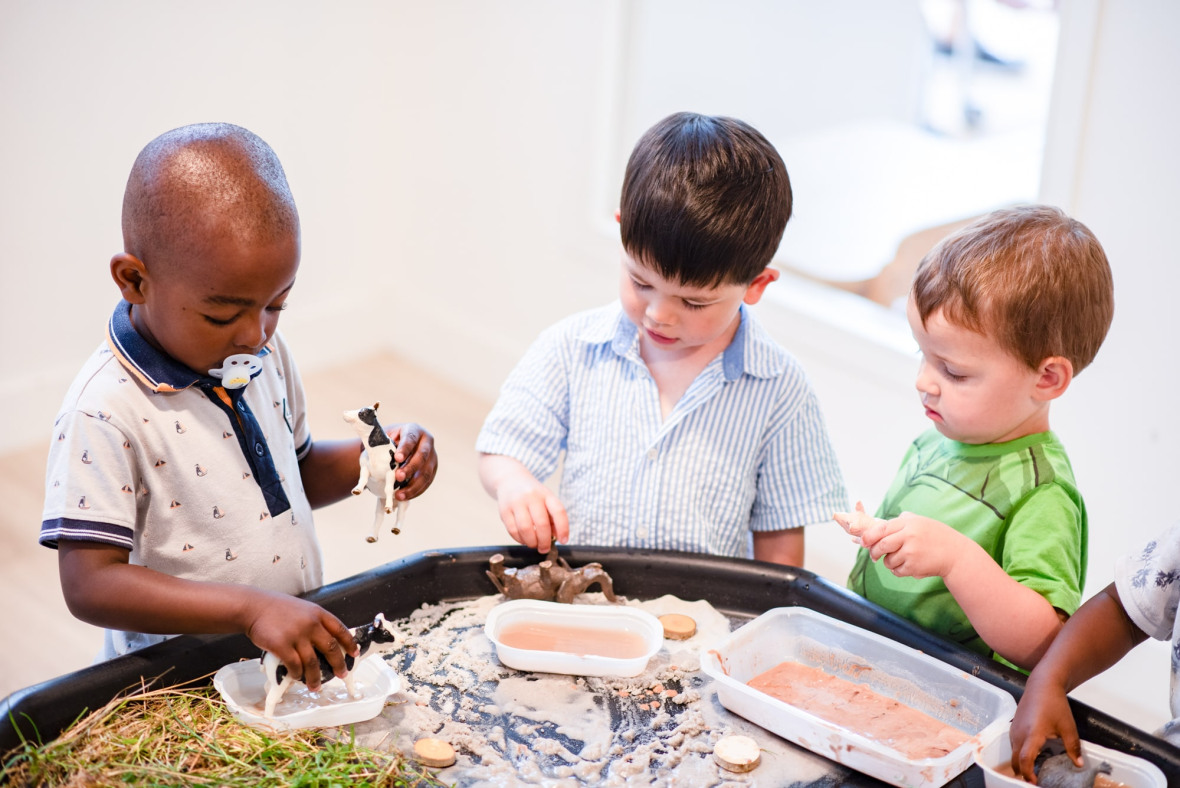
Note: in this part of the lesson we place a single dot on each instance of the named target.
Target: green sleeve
(1044, 546)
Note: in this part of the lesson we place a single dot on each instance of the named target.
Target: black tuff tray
(738, 588)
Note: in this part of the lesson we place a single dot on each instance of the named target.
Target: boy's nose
(658, 312)
(252, 334)
(925, 381)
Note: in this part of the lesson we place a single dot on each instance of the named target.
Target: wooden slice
(678, 627)
(434, 753)
(737, 753)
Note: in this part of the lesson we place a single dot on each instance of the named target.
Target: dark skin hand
(1094, 639)
(138, 599)
(330, 469)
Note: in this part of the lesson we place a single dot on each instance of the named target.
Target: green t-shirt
(1018, 500)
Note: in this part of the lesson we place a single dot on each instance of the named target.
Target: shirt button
(652, 454)
(242, 405)
(641, 532)
(259, 449)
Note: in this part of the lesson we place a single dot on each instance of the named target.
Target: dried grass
(187, 736)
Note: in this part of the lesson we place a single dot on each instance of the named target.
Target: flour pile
(517, 728)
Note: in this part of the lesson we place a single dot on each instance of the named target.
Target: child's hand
(532, 513)
(911, 545)
(415, 447)
(856, 523)
(1043, 714)
(294, 630)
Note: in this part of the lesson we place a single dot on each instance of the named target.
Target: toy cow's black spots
(378, 467)
(376, 638)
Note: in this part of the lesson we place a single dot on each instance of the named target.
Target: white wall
(454, 156)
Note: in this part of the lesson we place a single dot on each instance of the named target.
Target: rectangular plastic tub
(603, 619)
(896, 671)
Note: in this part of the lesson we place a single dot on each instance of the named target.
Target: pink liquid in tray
(584, 641)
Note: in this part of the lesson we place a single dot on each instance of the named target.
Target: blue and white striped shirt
(745, 449)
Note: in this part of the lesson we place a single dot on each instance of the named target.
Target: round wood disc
(737, 753)
(434, 753)
(677, 626)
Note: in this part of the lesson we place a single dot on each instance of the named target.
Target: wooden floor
(47, 641)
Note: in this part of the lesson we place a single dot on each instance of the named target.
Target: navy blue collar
(155, 369)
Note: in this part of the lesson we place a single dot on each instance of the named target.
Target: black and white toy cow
(377, 467)
(375, 638)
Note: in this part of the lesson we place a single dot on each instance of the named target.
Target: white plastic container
(796, 634)
(600, 618)
(243, 687)
(1127, 769)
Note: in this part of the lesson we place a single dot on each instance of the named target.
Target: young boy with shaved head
(179, 494)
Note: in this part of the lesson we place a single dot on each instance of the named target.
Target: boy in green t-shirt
(982, 536)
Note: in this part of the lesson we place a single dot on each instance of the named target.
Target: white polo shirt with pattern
(195, 480)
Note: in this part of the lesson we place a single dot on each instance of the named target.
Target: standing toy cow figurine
(378, 467)
(375, 638)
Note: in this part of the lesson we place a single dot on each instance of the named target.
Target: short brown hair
(1030, 276)
(705, 200)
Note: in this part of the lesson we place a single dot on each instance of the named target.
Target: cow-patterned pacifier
(237, 370)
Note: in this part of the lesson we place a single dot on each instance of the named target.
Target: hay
(186, 736)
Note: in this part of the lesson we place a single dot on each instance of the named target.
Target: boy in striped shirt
(684, 425)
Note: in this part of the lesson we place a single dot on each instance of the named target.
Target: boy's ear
(128, 272)
(758, 286)
(1053, 377)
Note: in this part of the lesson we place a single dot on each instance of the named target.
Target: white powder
(516, 728)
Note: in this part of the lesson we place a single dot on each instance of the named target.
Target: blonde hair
(1032, 278)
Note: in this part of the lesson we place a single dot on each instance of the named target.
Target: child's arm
(533, 515)
(1014, 620)
(102, 588)
(329, 470)
(779, 547)
(1096, 637)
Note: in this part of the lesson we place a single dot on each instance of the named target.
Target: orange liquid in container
(584, 641)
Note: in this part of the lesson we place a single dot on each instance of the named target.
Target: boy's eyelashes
(217, 321)
(688, 304)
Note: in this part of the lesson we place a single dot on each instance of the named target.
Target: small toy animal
(375, 638)
(377, 467)
(552, 579)
(1059, 771)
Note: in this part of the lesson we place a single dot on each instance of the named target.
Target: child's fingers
(559, 518)
(340, 634)
(1073, 744)
(542, 531)
(308, 665)
(416, 451)
(886, 543)
(334, 653)
(854, 522)
(519, 525)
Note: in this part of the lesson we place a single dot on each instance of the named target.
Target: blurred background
(463, 159)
